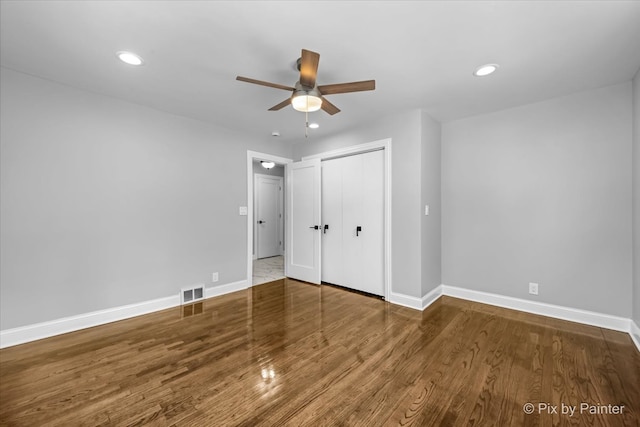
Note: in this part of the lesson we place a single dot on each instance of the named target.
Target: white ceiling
(421, 54)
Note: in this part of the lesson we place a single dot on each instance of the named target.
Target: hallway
(268, 269)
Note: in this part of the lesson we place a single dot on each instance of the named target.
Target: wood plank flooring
(290, 353)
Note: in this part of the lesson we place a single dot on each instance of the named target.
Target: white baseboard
(24, 334)
(634, 331)
(565, 313)
(405, 300)
(601, 320)
(413, 302)
(216, 291)
(431, 297)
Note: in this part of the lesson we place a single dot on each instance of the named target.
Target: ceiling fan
(306, 95)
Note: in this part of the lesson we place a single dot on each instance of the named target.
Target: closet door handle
(315, 227)
(326, 227)
(358, 230)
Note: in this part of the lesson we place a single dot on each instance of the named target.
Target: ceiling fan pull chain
(306, 123)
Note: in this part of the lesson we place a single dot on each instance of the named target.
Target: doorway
(265, 218)
(268, 224)
(268, 227)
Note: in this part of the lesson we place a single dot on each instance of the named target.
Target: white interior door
(332, 271)
(353, 209)
(372, 223)
(267, 217)
(302, 257)
(352, 214)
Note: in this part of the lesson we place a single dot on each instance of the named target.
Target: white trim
(416, 303)
(384, 144)
(37, 331)
(431, 297)
(23, 334)
(405, 300)
(216, 291)
(634, 331)
(600, 320)
(347, 151)
(559, 312)
(251, 156)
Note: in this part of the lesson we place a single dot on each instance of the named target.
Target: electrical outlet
(214, 277)
(533, 288)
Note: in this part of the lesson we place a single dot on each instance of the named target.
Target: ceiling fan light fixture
(306, 101)
(485, 70)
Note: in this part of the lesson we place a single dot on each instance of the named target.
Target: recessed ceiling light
(314, 125)
(129, 58)
(485, 70)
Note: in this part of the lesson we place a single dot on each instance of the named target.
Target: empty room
(319, 213)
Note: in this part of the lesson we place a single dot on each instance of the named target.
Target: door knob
(315, 227)
(326, 227)
(262, 222)
(358, 230)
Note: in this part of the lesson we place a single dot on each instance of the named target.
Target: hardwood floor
(289, 353)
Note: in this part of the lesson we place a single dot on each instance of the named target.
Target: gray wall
(430, 195)
(405, 130)
(105, 203)
(636, 198)
(542, 193)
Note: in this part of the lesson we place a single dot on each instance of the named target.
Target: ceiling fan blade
(329, 107)
(309, 68)
(347, 87)
(281, 105)
(260, 82)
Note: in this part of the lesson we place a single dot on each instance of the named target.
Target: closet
(353, 222)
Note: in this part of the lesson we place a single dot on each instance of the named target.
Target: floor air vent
(192, 294)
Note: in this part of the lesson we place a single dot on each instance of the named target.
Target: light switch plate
(426, 209)
(242, 210)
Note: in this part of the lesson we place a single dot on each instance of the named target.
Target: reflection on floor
(268, 269)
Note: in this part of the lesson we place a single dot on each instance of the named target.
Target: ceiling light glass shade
(485, 70)
(129, 58)
(267, 165)
(305, 102)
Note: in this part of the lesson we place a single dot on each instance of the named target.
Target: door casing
(384, 144)
(251, 156)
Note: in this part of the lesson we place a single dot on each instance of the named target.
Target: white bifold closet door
(353, 222)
